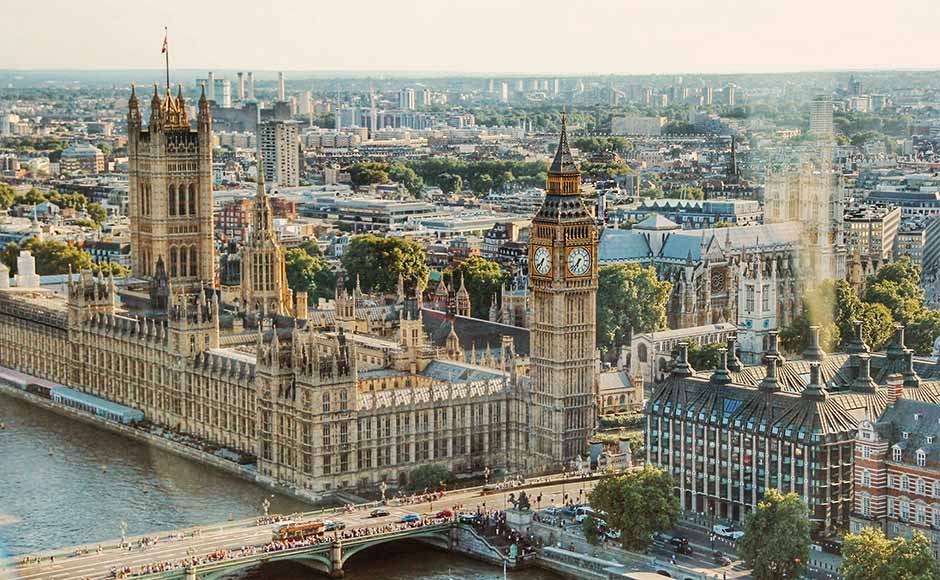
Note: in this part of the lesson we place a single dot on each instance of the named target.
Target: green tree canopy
(638, 504)
(630, 297)
(52, 257)
(429, 476)
(450, 182)
(368, 172)
(7, 196)
(406, 176)
(482, 279)
(869, 555)
(776, 537)
(702, 357)
(97, 213)
(378, 261)
(310, 274)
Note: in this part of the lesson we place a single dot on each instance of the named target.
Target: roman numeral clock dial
(542, 261)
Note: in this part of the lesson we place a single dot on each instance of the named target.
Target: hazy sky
(500, 36)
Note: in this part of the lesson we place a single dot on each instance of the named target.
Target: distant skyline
(484, 37)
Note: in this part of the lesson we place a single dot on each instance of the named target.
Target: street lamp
(266, 504)
(486, 476)
(383, 487)
(123, 533)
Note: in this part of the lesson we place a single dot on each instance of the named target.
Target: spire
(770, 384)
(721, 376)
(563, 162)
(682, 368)
(814, 390)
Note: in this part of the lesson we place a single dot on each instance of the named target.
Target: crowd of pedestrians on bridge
(270, 547)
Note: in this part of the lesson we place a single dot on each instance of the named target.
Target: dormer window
(917, 416)
(905, 435)
(921, 458)
(930, 439)
(896, 454)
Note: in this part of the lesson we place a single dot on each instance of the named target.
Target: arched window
(172, 196)
(184, 261)
(610, 401)
(192, 199)
(173, 263)
(623, 399)
(921, 458)
(182, 200)
(896, 454)
(641, 352)
(192, 260)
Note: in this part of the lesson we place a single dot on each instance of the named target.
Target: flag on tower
(164, 41)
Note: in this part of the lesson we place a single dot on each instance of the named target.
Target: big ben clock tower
(563, 278)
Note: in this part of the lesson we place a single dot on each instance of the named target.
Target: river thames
(63, 483)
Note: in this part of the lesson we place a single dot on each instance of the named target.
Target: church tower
(563, 274)
(264, 275)
(170, 197)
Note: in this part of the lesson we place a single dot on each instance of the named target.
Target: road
(67, 564)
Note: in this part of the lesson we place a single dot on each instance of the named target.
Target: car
(685, 549)
(727, 532)
(409, 518)
(584, 512)
(378, 513)
(721, 559)
(330, 525)
(467, 517)
(677, 540)
(444, 514)
(612, 534)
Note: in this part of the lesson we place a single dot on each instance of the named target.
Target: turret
(156, 119)
(133, 113)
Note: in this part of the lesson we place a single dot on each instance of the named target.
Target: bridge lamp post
(266, 505)
(486, 476)
(383, 487)
(123, 533)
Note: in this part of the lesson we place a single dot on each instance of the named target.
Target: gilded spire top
(563, 161)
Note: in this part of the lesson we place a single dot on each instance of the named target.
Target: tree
(869, 555)
(630, 298)
(482, 279)
(368, 172)
(795, 338)
(52, 257)
(776, 537)
(7, 196)
(591, 533)
(703, 357)
(897, 286)
(406, 176)
(33, 196)
(691, 192)
(429, 477)
(97, 213)
(922, 331)
(310, 274)
(450, 183)
(111, 268)
(638, 504)
(378, 262)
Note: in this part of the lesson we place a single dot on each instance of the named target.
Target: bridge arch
(318, 562)
(439, 537)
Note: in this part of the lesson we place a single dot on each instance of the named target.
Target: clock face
(579, 261)
(543, 260)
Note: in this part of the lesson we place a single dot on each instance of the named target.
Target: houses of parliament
(323, 399)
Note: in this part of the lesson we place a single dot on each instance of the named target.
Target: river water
(64, 482)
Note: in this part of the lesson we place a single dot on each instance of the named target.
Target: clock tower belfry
(563, 279)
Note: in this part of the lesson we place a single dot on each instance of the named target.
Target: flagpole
(166, 52)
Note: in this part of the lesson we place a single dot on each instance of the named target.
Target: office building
(820, 118)
(406, 99)
(870, 232)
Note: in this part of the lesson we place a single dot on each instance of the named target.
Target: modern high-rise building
(406, 99)
(730, 96)
(223, 93)
(170, 192)
(280, 149)
(504, 92)
(563, 279)
(241, 87)
(425, 99)
(251, 86)
(820, 118)
(281, 94)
